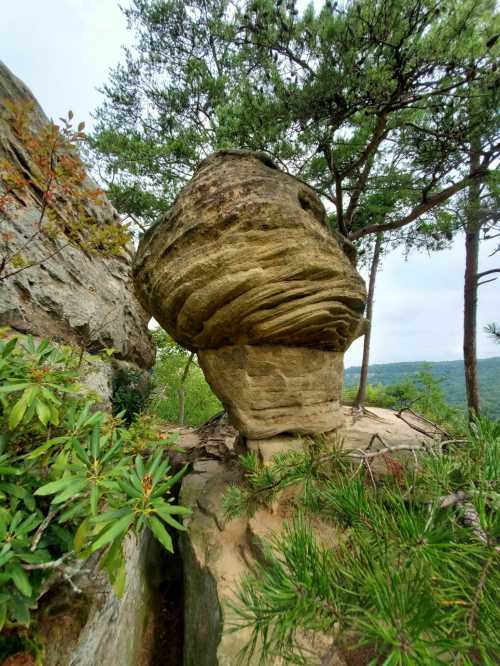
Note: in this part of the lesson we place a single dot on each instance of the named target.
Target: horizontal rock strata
(244, 271)
(269, 390)
(244, 257)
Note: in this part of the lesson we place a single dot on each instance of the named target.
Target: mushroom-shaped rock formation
(243, 270)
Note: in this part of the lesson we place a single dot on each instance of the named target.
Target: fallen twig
(363, 454)
(421, 418)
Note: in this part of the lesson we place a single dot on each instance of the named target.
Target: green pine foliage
(414, 576)
(365, 100)
(73, 480)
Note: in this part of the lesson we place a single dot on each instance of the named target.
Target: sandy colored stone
(269, 390)
(359, 429)
(244, 257)
(266, 449)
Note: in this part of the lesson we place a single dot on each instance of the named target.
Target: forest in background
(449, 374)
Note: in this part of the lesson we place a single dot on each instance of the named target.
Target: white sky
(63, 49)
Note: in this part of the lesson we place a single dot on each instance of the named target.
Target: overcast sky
(63, 50)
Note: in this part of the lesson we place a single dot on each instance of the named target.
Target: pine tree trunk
(363, 378)
(472, 230)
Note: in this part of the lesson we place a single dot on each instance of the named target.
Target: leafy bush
(174, 386)
(414, 575)
(73, 481)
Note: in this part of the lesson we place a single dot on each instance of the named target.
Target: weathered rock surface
(71, 296)
(217, 553)
(273, 389)
(244, 257)
(243, 271)
(96, 628)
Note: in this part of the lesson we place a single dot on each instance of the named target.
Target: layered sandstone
(244, 271)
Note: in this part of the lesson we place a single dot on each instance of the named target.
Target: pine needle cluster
(414, 577)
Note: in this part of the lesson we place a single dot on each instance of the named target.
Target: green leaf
(77, 485)
(171, 521)
(20, 610)
(171, 508)
(10, 470)
(110, 515)
(110, 533)
(55, 486)
(81, 535)
(43, 412)
(128, 489)
(21, 581)
(3, 614)
(9, 347)
(139, 466)
(160, 533)
(17, 413)
(44, 447)
(94, 441)
(94, 499)
(10, 388)
(173, 480)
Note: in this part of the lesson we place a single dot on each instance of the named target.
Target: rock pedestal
(273, 389)
(243, 271)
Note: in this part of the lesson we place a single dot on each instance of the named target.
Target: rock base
(273, 389)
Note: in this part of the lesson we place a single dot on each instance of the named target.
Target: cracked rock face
(243, 270)
(68, 294)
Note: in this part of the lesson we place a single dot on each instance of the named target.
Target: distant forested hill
(450, 374)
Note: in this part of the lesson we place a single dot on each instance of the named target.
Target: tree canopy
(371, 103)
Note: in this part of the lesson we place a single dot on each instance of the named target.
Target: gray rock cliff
(73, 296)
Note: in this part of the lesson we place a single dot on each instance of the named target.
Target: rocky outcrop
(68, 294)
(218, 553)
(94, 627)
(243, 271)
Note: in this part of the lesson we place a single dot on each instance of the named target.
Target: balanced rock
(244, 271)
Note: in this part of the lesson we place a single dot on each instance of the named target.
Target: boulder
(244, 271)
(68, 294)
(244, 257)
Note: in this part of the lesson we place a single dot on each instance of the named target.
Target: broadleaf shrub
(73, 480)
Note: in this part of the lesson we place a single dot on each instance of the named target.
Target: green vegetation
(448, 374)
(367, 102)
(174, 387)
(131, 390)
(413, 575)
(73, 480)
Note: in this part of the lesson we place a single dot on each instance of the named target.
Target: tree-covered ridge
(449, 374)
